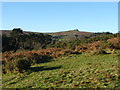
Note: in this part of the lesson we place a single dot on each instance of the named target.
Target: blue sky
(60, 16)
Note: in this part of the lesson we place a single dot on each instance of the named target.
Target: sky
(60, 16)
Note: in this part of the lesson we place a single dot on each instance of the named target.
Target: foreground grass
(75, 71)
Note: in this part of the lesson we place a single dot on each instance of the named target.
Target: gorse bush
(22, 64)
(17, 65)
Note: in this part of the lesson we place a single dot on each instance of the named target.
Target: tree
(16, 31)
(7, 43)
(16, 35)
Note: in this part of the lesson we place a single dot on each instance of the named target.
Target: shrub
(17, 65)
(22, 64)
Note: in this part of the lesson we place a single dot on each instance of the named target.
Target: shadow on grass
(43, 68)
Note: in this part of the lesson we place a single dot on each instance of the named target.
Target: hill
(70, 32)
(69, 35)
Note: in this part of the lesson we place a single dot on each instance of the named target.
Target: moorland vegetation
(22, 52)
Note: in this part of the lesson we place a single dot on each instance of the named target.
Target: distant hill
(69, 35)
(70, 32)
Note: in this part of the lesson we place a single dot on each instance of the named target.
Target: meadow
(72, 71)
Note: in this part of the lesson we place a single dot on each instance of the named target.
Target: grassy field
(74, 71)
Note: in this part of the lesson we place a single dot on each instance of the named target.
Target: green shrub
(17, 65)
(22, 64)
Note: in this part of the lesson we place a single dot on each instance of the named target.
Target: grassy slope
(72, 71)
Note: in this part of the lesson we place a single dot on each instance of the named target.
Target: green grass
(75, 71)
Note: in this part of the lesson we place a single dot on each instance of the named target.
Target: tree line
(19, 40)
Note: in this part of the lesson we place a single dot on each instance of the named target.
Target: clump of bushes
(100, 47)
(17, 65)
(20, 61)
